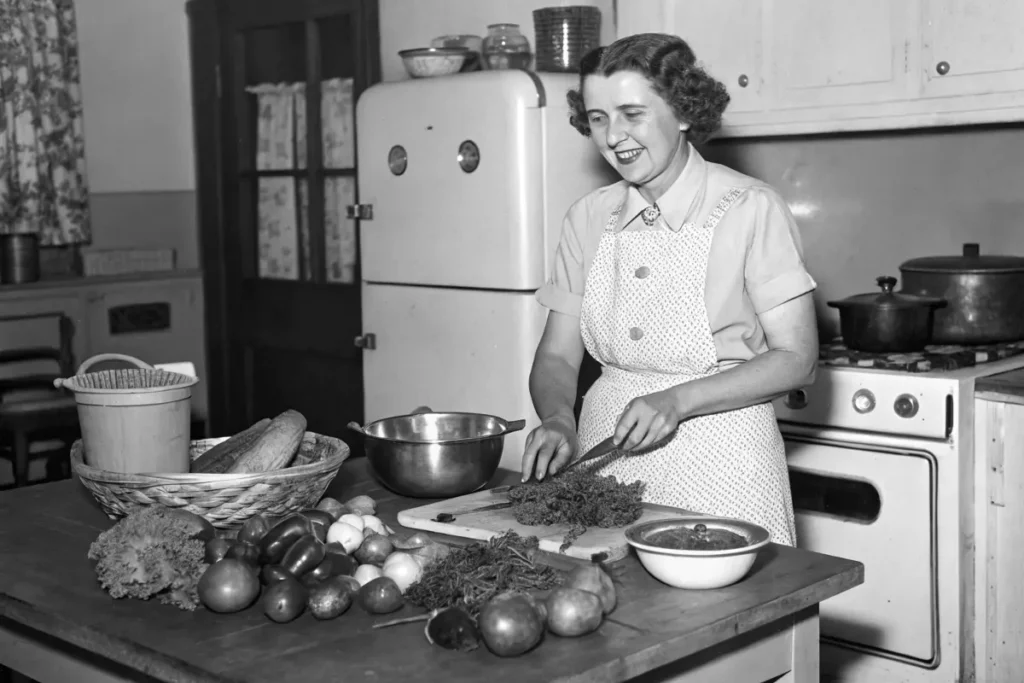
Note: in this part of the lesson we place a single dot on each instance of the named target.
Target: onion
(365, 573)
(573, 612)
(429, 553)
(373, 524)
(402, 569)
(347, 535)
(352, 519)
(509, 624)
(592, 578)
(362, 505)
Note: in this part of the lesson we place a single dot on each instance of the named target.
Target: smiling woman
(686, 282)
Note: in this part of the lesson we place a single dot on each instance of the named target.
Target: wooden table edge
(107, 646)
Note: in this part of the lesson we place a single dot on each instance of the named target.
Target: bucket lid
(972, 261)
(141, 379)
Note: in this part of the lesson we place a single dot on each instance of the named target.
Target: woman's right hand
(549, 448)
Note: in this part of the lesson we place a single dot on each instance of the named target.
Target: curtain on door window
(43, 186)
(283, 230)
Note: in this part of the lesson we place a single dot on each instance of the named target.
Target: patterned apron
(645, 320)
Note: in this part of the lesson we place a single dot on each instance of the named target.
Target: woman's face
(634, 128)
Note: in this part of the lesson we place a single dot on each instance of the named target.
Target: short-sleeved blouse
(756, 259)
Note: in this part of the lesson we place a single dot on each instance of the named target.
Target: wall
(138, 124)
(414, 23)
(867, 203)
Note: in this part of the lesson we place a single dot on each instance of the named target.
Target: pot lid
(887, 299)
(970, 262)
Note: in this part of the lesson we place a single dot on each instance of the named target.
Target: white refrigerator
(463, 184)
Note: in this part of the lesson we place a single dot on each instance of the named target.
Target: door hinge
(360, 211)
(366, 341)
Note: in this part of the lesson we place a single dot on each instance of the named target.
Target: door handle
(366, 341)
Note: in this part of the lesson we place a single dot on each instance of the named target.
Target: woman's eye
(633, 115)
(596, 119)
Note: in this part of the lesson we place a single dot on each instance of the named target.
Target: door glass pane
(271, 125)
(338, 96)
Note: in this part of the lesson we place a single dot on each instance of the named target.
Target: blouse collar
(679, 203)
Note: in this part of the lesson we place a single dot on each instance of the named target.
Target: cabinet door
(156, 322)
(836, 52)
(970, 47)
(724, 34)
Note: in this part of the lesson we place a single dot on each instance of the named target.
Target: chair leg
(20, 458)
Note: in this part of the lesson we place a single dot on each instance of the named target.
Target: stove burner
(932, 359)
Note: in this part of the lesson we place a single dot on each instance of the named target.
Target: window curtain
(283, 204)
(43, 185)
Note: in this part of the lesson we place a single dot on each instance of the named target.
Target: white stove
(882, 469)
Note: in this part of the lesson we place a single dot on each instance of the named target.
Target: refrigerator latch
(360, 211)
(366, 341)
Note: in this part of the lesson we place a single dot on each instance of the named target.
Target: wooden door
(280, 256)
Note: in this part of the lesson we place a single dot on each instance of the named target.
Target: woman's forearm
(553, 382)
(758, 380)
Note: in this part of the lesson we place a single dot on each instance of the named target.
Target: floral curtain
(43, 186)
(283, 230)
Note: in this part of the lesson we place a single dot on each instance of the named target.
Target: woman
(686, 282)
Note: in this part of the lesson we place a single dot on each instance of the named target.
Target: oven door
(876, 506)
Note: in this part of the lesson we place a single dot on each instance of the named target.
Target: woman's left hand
(648, 420)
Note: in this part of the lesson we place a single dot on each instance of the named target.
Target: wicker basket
(226, 500)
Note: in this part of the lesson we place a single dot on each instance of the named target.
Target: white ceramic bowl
(697, 569)
(427, 62)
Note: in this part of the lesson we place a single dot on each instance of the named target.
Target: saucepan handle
(421, 410)
(355, 427)
(514, 426)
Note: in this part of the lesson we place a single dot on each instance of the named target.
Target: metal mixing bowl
(436, 455)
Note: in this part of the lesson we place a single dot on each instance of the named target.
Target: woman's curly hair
(670, 65)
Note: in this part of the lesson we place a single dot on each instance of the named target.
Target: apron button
(642, 272)
(635, 333)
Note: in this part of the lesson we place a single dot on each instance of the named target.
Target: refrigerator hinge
(366, 341)
(361, 211)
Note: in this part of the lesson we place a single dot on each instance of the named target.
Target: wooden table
(56, 624)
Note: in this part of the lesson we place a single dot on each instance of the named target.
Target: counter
(56, 624)
(1007, 387)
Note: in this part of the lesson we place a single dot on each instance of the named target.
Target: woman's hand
(648, 420)
(549, 447)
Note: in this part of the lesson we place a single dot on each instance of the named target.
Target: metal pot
(436, 455)
(890, 322)
(985, 295)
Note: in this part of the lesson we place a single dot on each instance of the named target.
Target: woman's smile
(628, 156)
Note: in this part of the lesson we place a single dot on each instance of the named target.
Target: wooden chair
(31, 409)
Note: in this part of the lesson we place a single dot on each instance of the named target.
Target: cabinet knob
(942, 68)
(743, 80)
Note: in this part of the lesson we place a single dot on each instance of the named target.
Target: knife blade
(600, 450)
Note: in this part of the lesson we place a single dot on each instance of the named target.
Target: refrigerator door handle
(366, 341)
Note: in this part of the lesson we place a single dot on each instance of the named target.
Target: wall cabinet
(814, 66)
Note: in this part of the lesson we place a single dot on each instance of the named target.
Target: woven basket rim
(225, 480)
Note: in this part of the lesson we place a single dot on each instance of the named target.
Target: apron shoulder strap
(724, 204)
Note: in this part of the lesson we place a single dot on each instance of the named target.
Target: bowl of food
(428, 62)
(436, 455)
(697, 552)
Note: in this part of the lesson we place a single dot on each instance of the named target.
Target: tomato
(246, 552)
(217, 548)
(228, 585)
(285, 600)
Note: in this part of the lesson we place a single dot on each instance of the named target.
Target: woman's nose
(614, 135)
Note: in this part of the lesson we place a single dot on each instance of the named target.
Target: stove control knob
(863, 401)
(906, 406)
(796, 399)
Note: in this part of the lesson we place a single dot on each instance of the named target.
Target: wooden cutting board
(481, 526)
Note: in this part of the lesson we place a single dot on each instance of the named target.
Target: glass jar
(505, 47)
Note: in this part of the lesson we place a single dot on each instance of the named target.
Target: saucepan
(430, 454)
(887, 321)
